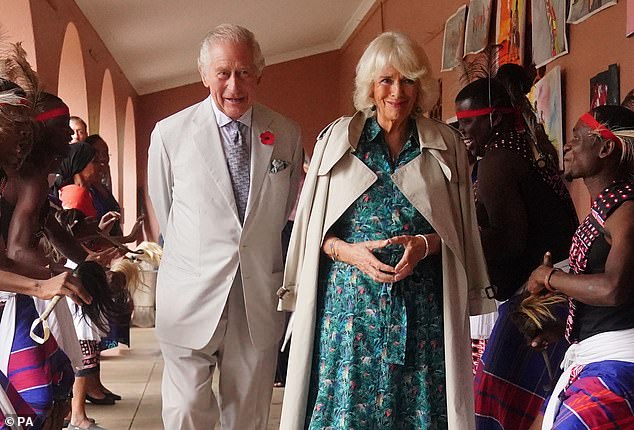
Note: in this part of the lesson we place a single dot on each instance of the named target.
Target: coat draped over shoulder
(437, 183)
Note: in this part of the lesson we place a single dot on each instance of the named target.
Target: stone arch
(72, 75)
(108, 131)
(129, 178)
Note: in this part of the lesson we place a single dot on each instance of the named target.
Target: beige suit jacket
(437, 183)
(205, 244)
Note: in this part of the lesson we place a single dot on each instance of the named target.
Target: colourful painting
(510, 30)
(546, 99)
(549, 30)
(629, 24)
(580, 10)
(453, 42)
(478, 23)
(605, 88)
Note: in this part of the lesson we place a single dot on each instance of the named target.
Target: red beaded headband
(595, 125)
(483, 111)
(52, 113)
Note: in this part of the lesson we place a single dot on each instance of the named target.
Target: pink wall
(318, 89)
(80, 70)
(312, 90)
(50, 19)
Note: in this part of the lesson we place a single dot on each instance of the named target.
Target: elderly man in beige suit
(223, 178)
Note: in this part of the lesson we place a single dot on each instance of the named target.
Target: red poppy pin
(267, 138)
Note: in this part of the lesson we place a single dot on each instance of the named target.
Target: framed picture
(549, 30)
(453, 41)
(605, 88)
(510, 30)
(580, 10)
(547, 102)
(478, 24)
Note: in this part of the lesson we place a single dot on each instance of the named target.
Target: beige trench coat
(437, 183)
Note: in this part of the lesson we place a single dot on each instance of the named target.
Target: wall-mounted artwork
(580, 10)
(510, 30)
(629, 19)
(453, 42)
(546, 99)
(478, 24)
(549, 30)
(605, 88)
(436, 111)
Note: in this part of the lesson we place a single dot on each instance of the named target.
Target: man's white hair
(230, 33)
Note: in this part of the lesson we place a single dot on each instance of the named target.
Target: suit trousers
(245, 376)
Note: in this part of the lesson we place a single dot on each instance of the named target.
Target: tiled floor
(135, 373)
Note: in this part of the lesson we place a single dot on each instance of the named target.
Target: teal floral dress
(379, 352)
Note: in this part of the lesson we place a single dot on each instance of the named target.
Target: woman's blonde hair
(401, 52)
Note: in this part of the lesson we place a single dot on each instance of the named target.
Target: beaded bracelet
(547, 279)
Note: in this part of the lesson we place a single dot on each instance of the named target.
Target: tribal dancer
(596, 389)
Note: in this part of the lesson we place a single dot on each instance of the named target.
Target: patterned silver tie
(237, 153)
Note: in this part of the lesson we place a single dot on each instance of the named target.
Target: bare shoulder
(622, 218)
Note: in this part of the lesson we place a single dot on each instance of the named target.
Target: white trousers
(245, 377)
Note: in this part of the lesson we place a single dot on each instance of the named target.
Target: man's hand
(64, 284)
(535, 284)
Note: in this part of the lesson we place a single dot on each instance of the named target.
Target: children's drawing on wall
(510, 30)
(478, 24)
(453, 42)
(580, 10)
(546, 99)
(605, 87)
(549, 30)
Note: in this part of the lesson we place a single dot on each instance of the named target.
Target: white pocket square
(277, 166)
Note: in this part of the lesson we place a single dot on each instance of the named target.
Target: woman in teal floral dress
(386, 251)
(379, 358)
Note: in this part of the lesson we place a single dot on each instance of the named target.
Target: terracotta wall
(317, 89)
(312, 90)
(50, 19)
(43, 25)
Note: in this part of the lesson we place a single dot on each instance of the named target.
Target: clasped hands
(361, 255)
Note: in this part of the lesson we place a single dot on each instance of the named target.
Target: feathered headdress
(481, 65)
(15, 67)
(517, 83)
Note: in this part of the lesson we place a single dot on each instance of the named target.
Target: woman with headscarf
(384, 265)
(77, 172)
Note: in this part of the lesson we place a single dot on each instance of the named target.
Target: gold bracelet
(333, 254)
